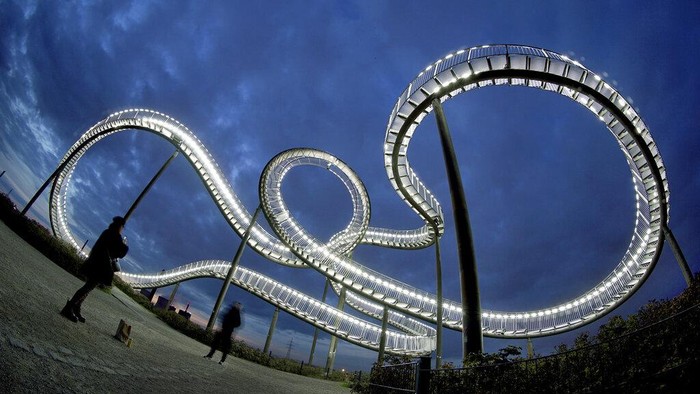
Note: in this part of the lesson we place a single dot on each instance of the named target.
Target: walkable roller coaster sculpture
(370, 291)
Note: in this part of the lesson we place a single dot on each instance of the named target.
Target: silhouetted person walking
(99, 267)
(222, 338)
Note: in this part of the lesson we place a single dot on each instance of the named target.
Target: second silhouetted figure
(222, 338)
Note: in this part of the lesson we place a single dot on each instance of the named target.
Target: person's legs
(214, 345)
(226, 349)
(80, 296)
(67, 312)
(72, 309)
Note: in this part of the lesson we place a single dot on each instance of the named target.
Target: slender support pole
(2, 173)
(271, 331)
(172, 296)
(84, 245)
(50, 178)
(65, 163)
(334, 340)
(382, 337)
(438, 328)
(150, 184)
(313, 343)
(530, 348)
(289, 349)
(423, 376)
(43, 186)
(234, 265)
(680, 258)
(472, 336)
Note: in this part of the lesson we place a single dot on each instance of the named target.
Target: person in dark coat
(99, 267)
(222, 338)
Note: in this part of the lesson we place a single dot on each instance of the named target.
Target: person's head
(118, 223)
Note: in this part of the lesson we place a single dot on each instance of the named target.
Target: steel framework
(369, 291)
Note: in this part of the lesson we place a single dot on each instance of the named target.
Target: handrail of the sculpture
(417, 339)
(213, 179)
(459, 72)
(396, 319)
(571, 80)
(378, 287)
(518, 65)
(199, 157)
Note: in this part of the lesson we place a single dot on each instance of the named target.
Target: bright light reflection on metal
(330, 259)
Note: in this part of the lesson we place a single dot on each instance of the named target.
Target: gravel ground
(40, 351)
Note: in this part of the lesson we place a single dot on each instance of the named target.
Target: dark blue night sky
(549, 192)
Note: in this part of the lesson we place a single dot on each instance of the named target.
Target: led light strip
(457, 73)
(491, 65)
(417, 338)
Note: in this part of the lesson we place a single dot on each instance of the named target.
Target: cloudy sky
(549, 192)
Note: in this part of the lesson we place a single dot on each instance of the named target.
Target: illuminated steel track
(457, 73)
(414, 337)
(517, 65)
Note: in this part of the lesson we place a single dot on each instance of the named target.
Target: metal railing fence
(658, 356)
(395, 379)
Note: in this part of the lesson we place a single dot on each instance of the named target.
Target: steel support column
(46, 183)
(271, 331)
(234, 265)
(472, 336)
(334, 340)
(423, 376)
(678, 253)
(530, 348)
(149, 185)
(382, 335)
(313, 343)
(438, 328)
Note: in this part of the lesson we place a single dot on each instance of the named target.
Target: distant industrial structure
(164, 303)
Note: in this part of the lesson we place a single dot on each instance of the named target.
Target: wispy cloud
(130, 14)
(548, 191)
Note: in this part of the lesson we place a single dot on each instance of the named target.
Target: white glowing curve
(200, 159)
(517, 65)
(420, 338)
(459, 72)
(236, 214)
(417, 338)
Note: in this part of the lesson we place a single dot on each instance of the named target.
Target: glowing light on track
(291, 245)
